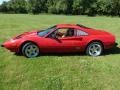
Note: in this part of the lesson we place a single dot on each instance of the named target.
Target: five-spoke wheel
(30, 50)
(94, 49)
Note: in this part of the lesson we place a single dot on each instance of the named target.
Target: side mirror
(56, 38)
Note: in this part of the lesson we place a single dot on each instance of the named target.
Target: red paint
(67, 44)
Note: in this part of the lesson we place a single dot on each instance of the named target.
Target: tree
(51, 6)
(3, 7)
(115, 7)
(37, 6)
(17, 6)
(77, 7)
(61, 7)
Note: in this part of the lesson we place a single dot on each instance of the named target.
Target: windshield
(45, 32)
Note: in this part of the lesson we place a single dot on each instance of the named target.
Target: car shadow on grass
(114, 50)
(57, 54)
(63, 54)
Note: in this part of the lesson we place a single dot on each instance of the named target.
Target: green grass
(62, 72)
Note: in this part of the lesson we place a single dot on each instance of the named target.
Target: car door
(70, 44)
(74, 43)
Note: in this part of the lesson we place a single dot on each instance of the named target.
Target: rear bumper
(116, 44)
(110, 45)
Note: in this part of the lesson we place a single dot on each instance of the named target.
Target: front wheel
(94, 49)
(30, 50)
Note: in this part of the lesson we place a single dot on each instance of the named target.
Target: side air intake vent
(83, 26)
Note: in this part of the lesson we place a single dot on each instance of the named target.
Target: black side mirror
(56, 38)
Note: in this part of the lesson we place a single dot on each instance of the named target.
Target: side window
(62, 33)
(81, 33)
(67, 32)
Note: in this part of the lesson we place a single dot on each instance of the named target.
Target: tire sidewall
(88, 47)
(25, 46)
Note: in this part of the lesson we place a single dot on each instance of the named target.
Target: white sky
(2, 1)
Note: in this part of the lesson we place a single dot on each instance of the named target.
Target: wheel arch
(96, 41)
(23, 43)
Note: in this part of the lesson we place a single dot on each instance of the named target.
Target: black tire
(94, 49)
(30, 50)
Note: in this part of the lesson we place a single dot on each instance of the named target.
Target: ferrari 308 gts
(61, 38)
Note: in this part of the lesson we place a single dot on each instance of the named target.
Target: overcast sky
(2, 1)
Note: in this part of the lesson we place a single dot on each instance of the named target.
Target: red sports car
(61, 38)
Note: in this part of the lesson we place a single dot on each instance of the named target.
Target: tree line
(68, 7)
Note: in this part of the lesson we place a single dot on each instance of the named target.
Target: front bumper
(2, 45)
(11, 48)
(10, 45)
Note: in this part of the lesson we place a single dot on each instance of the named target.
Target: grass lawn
(57, 72)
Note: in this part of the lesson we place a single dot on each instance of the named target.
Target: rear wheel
(30, 50)
(94, 49)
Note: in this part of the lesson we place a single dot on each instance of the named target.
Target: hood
(26, 34)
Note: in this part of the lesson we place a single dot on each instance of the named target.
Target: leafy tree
(77, 7)
(37, 6)
(115, 7)
(3, 7)
(51, 6)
